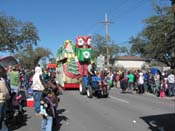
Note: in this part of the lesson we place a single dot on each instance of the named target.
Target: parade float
(72, 62)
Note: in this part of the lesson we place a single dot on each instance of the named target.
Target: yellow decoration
(65, 55)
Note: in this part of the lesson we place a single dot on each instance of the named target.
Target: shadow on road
(17, 122)
(57, 122)
(162, 122)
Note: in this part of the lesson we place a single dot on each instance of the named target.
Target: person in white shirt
(141, 83)
(171, 84)
(37, 88)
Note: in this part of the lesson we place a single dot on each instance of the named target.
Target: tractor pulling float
(72, 67)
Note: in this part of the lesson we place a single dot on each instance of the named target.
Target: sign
(100, 61)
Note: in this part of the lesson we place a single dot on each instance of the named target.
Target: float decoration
(72, 60)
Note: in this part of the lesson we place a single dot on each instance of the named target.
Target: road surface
(119, 112)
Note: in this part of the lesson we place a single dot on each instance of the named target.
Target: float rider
(91, 72)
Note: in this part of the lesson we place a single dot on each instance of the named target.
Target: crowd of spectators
(159, 83)
(14, 86)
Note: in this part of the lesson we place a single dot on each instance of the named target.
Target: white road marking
(118, 99)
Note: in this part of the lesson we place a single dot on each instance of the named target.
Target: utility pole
(106, 22)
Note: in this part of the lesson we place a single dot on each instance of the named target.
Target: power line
(131, 9)
(123, 4)
(128, 8)
(117, 9)
(94, 28)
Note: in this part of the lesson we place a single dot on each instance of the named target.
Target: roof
(129, 57)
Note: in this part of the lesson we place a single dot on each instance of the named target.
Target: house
(129, 62)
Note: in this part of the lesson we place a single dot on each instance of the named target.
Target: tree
(157, 39)
(99, 47)
(15, 34)
(30, 57)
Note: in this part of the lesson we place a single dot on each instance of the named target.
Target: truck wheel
(98, 93)
(82, 88)
(105, 93)
(89, 92)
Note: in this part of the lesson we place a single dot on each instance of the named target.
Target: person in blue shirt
(146, 81)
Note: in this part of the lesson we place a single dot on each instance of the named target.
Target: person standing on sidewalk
(130, 77)
(14, 79)
(37, 88)
(141, 83)
(146, 81)
(171, 84)
(4, 97)
(157, 83)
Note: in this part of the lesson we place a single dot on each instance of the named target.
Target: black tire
(82, 88)
(89, 92)
(97, 93)
(105, 93)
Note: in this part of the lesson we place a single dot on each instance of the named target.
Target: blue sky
(59, 20)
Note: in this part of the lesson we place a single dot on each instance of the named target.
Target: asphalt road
(119, 112)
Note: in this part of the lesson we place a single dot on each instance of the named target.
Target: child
(47, 110)
(16, 103)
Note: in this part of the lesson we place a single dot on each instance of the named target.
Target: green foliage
(15, 34)
(157, 39)
(99, 47)
(20, 38)
(30, 57)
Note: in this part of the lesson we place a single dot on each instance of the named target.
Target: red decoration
(71, 85)
(85, 41)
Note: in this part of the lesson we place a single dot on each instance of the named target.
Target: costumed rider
(91, 72)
